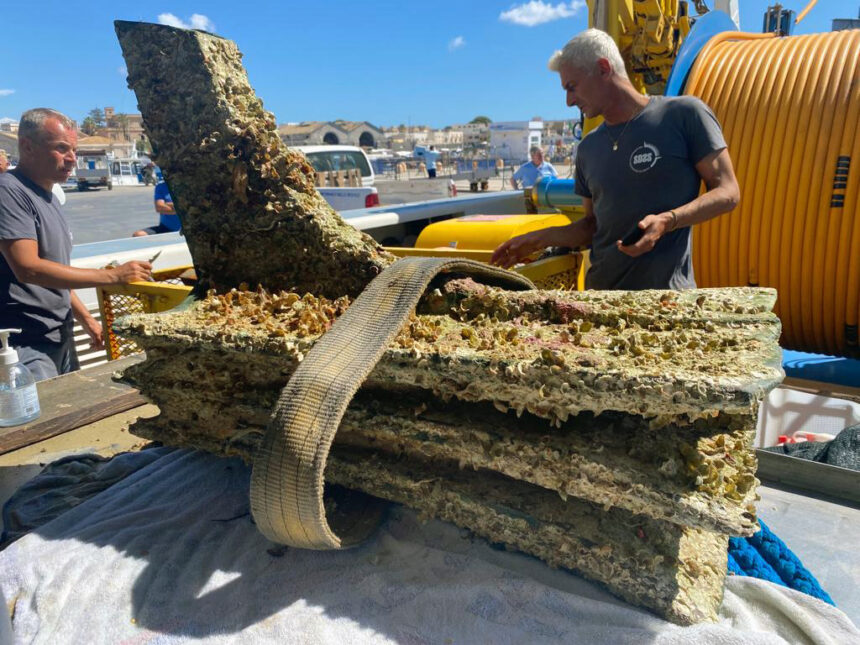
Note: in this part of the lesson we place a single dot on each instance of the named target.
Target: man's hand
(88, 323)
(654, 227)
(134, 271)
(572, 236)
(507, 254)
(95, 332)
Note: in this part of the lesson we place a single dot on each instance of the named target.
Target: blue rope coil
(767, 557)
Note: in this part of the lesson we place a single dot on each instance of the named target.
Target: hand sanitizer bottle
(19, 401)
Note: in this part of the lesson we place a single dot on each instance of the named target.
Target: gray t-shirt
(28, 212)
(652, 171)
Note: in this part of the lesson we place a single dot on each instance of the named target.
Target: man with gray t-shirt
(35, 246)
(639, 174)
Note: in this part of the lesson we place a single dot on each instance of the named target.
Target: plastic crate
(786, 411)
(165, 292)
(558, 272)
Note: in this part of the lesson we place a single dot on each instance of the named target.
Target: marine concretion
(609, 433)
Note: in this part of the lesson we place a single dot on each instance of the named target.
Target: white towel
(170, 555)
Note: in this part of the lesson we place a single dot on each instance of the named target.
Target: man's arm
(573, 236)
(516, 177)
(90, 324)
(722, 195)
(163, 207)
(23, 258)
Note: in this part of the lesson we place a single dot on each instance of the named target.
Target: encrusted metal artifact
(221, 154)
(610, 433)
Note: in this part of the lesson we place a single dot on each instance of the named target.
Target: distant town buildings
(8, 125)
(350, 133)
(98, 145)
(449, 137)
(511, 140)
(122, 135)
(452, 137)
(403, 138)
(122, 128)
(9, 137)
(474, 134)
(9, 143)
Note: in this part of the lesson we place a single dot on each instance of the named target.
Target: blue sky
(388, 62)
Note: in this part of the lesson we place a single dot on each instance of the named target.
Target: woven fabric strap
(287, 485)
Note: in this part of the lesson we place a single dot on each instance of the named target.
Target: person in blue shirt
(168, 220)
(429, 156)
(530, 173)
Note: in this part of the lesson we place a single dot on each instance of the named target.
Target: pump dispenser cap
(8, 356)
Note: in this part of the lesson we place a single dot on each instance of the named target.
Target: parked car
(338, 161)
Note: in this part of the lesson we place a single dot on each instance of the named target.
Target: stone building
(362, 133)
(402, 138)
(446, 138)
(95, 145)
(123, 128)
(350, 133)
(474, 134)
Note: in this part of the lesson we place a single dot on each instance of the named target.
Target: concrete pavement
(98, 215)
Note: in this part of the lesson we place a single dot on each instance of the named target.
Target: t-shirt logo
(644, 157)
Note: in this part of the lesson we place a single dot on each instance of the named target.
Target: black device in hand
(633, 236)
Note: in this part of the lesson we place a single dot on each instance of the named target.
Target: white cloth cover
(170, 555)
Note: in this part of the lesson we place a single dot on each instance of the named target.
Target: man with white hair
(639, 174)
(36, 280)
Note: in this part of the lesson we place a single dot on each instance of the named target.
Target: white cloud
(122, 70)
(538, 12)
(197, 21)
(6, 92)
(171, 21)
(458, 42)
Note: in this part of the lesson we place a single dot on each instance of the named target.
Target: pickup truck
(93, 171)
(334, 165)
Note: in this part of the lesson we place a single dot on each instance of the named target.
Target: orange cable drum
(790, 109)
(776, 108)
(801, 246)
(751, 140)
(827, 234)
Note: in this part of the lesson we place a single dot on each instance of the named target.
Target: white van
(333, 159)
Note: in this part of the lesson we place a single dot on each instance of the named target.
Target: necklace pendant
(615, 146)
